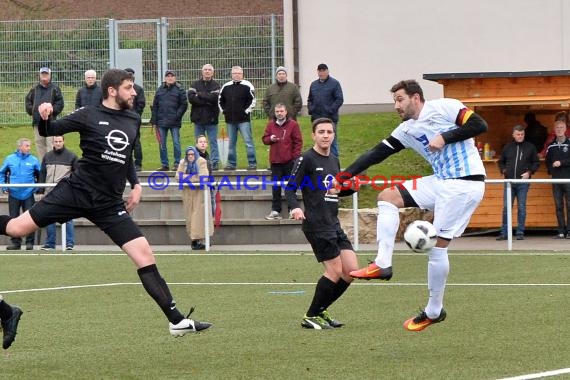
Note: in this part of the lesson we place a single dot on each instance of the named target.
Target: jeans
(50, 238)
(210, 131)
(163, 133)
(518, 191)
(245, 130)
(14, 206)
(559, 192)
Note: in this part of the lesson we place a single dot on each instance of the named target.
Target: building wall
(369, 44)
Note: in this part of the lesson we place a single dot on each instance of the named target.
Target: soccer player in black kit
(95, 189)
(314, 173)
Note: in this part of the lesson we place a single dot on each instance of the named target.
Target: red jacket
(290, 142)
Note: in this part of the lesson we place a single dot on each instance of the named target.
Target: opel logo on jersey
(117, 140)
(328, 181)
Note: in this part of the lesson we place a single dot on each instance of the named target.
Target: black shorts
(328, 244)
(66, 202)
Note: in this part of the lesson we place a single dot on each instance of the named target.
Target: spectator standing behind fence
(56, 165)
(558, 166)
(325, 99)
(138, 107)
(203, 96)
(90, 94)
(285, 141)
(559, 116)
(44, 92)
(519, 160)
(168, 107)
(285, 92)
(192, 168)
(20, 167)
(237, 101)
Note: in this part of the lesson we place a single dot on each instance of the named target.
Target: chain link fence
(70, 47)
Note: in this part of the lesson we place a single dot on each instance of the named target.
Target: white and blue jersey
(455, 160)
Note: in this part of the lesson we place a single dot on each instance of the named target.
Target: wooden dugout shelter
(502, 99)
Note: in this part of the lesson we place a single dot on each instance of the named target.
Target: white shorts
(453, 201)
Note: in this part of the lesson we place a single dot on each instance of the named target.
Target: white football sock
(386, 230)
(438, 269)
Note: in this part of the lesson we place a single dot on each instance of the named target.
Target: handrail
(214, 184)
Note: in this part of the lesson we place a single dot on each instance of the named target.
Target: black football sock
(339, 289)
(5, 311)
(4, 219)
(157, 288)
(324, 292)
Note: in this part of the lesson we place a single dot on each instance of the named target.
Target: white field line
(296, 253)
(539, 375)
(71, 287)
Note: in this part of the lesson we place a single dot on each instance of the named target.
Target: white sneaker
(273, 215)
(187, 325)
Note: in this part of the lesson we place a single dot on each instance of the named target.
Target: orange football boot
(372, 271)
(421, 321)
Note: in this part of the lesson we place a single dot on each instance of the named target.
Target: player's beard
(124, 104)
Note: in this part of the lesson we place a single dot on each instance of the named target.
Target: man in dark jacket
(558, 166)
(325, 99)
(56, 165)
(168, 107)
(285, 144)
(519, 160)
(282, 91)
(44, 92)
(203, 96)
(90, 94)
(237, 100)
(138, 107)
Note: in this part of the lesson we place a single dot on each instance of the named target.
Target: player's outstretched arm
(374, 156)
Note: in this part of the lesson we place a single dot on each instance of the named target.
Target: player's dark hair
(410, 87)
(114, 78)
(322, 120)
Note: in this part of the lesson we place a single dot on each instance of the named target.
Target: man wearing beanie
(282, 91)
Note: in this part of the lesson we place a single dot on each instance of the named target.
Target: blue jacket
(20, 168)
(168, 106)
(325, 98)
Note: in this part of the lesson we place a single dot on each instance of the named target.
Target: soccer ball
(420, 236)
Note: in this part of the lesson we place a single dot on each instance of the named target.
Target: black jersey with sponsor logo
(106, 140)
(313, 174)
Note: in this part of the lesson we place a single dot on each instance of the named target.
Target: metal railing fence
(70, 47)
(356, 243)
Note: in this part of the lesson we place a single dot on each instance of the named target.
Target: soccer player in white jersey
(442, 132)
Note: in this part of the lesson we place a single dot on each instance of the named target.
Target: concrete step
(234, 206)
(165, 232)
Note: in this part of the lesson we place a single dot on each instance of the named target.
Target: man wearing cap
(203, 95)
(44, 92)
(90, 94)
(168, 107)
(285, 92)
(138, 106)
(325, 99)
